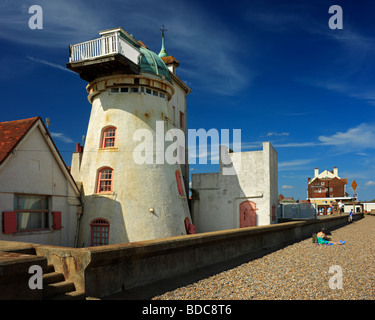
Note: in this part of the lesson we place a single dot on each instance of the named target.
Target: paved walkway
(299, 271)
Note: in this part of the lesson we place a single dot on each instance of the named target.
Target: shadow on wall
(102, 222)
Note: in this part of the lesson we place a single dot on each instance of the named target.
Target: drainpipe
(79, 217)
(79, 149)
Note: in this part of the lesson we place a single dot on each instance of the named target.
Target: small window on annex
(109, 137)
(105, 180)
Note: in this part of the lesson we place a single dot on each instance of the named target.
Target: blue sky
(273, 69)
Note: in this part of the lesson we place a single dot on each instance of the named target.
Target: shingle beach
(299, 271)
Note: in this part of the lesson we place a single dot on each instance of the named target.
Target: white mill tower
(131, 90)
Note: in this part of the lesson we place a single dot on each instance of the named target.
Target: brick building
(327, 189)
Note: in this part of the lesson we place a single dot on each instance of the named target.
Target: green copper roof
(150, 62)
(162, 52)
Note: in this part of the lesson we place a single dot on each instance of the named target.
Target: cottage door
(248, 216)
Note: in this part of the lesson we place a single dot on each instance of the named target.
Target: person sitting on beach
(324, 239)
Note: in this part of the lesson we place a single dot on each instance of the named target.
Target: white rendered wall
(220, 195)
(136, 188)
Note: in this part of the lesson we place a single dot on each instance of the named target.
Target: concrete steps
(55, 287)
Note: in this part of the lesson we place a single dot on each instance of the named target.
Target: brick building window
(99, 232)
(109, 137)
(105, 180)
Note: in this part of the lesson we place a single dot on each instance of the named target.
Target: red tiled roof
(11, 133)
(170, 59)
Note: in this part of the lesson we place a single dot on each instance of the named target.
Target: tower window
(114, 90)
(105, 180)
(174, 115)
(99, 232)
(181, 120)
(179, 183)
(109, 137)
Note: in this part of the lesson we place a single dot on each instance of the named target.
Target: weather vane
(163, 30)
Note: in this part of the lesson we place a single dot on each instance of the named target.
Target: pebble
(297, 272)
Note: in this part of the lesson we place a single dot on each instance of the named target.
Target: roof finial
(162, 52)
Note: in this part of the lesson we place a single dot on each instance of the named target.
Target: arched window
(105, 180)
(109, 137)
(99, 232)
(179, 183)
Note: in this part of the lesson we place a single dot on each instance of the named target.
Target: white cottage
(38, 196)
(244, 199)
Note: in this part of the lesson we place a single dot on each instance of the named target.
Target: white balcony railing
(103, 46)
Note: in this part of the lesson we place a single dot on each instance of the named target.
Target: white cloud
(354, 139)
(297, 144)
(287, 187)
(269, 134)
(61, 137)
(51, 64)
(360, 92)
(294, 164)
(62, 22)
(370, 183)
(358, 138)
(195, 35)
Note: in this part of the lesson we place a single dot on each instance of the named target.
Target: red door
(248, 215)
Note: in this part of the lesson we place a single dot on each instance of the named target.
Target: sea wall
(106, 270)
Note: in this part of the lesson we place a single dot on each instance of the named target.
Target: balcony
(110, 54)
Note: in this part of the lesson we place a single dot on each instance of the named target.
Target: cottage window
(105, 180)
(99, 232)
(32, 212)
(109, 137)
